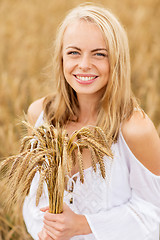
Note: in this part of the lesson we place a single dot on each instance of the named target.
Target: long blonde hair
(118, 102)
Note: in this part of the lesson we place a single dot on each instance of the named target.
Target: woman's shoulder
(34, 110)
(138, 125)
(143, 140)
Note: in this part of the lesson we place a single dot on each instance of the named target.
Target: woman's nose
(85, 63)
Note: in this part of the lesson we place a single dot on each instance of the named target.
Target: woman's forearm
(82, 225)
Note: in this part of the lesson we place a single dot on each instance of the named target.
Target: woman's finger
(52, 229)
(44, 209)
(51, 234)
(39, 236)
(52, 217)
(55, 225)
(44, 236)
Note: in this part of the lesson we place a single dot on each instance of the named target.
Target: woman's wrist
(83, 227)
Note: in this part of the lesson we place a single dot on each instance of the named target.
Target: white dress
(124, 206)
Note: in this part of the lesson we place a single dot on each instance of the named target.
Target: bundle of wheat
(51, 152)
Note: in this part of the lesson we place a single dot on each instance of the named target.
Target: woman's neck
(88, 111)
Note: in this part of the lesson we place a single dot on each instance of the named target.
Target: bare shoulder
(34, 111)
(143, 140)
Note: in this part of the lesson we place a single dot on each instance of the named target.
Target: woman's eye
(73, 53)
(101, 54)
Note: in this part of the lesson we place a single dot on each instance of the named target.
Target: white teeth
(85, 78)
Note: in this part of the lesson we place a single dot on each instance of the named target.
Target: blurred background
(27, 31)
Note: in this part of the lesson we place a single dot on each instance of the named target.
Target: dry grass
(26, 33)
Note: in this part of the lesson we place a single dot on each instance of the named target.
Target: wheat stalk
(51, 152)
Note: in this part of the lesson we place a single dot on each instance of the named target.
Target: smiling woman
(85, 59)
(92, 75)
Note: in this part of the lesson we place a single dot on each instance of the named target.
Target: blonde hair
(118, 102)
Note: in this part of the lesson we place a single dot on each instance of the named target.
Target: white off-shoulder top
(124, 206)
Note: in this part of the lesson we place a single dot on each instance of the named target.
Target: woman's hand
(43, 235)
(65, 225)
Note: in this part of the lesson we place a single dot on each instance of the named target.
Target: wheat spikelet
(85, 132)
(9, 160)
(73, 157)
(37, 161)
(40, 185)
(93, 159)
(13, 167)
(5, 162)
(16, 162)
(101, 137)
(80, 163)
(26, 187)
(52, 133)
(38, 133)
(28, 146)
(96, 145)
(70, 162)
(23, 166)
(67, 159)
(35, 144)
(72, 147)
(24, 141)
(48, 139)
(101, 163)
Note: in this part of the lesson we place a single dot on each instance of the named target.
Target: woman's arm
(143, 140)
(34, 111)
(32, 215)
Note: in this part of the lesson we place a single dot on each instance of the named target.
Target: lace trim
(91, 177)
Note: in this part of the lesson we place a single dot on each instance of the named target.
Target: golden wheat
(50, 154)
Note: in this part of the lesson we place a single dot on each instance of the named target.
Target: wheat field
(27, 31)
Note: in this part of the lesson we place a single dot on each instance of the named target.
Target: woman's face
(85, 58)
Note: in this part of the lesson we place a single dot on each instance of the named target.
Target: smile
(85, 78)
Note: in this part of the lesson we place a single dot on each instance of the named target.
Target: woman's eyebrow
(99, 49)
(74, 47)
(94, 50)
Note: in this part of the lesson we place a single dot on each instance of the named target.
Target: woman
(92, 75)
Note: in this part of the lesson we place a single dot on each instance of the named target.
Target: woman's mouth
(85, 79)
